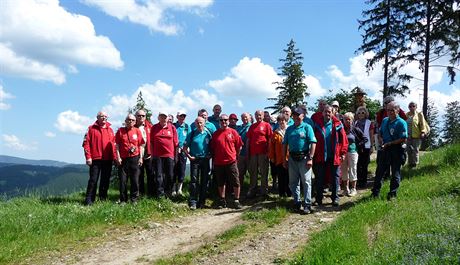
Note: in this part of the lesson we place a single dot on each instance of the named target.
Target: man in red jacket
(145, 126)
(330, 151)
(99, 146)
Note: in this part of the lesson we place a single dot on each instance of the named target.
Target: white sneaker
(345, 192)
(173, 193)
(179, 189)
(353, 192)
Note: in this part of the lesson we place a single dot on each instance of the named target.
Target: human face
(282, 123)
(412, 107)
(199, 122)
(245, 118)
(347, 122)
(102, 118)
(140, 117)
(233, 122)
(287, 112)
(130, 120)
(163, 119)
(181, 118)
(361, 114)
(217, 110)
(327, 113)
(259, 115)
(266, 117)
(223, 121)
(321, 106)
(204, 115)
(298, 118)
(391, 111)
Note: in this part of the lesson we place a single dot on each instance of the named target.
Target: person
(164, 142)
(209, 126)
(300, 141)
(393, 134)
(233, 119)
(214, 119)
(307, 119)
(225, 147)
(286, 111)
(330, 151)
(273, 172)
(243, 157)
(182, 129)
(336, 110)
(99, 148)
(359, 99)
(130, 156)
(417, 130)
(145, 126)
(277, 156)
(258, 136)
(318, 115)
(349, 165)
(367, 127)
(196, 148)
(267, 118)
(170, 118)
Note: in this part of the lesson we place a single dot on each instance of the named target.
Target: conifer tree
(452, 123)
(140, 104)
(292, 90)
(432, 140)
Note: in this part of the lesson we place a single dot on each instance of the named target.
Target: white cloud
(314, 87)
(39, 38)
(3, 96)
(249, 78)
(239, 103)
(150, 13)
(13, 142)
(72, 122)
(50, 134)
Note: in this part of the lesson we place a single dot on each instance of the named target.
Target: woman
(350, 163)
(364, 150)
(417, 130)
(277, 158)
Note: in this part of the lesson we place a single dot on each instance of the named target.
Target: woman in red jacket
(331, 149)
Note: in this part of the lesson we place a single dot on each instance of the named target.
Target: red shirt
(163, 140)
(99, 143)
(225, 146)
(258, 137)
(147, 129)
(129, 140)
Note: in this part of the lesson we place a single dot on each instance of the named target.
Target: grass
(36, 227)
(421, 227)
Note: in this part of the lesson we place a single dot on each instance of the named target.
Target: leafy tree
(384, 34)
(292, 90)
(452, 123)
(345, 99)
(140, 104)
(432, 140)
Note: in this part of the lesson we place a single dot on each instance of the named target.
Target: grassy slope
(421, 227)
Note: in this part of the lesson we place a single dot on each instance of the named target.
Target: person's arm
(311, 153)
(285, 152)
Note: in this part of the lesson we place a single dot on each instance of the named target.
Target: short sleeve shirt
(198, 143)
(258, 136)
(299, 138)
(182, 131)
(393, 130)
(127, 140)
(225, 146)
(242, 131)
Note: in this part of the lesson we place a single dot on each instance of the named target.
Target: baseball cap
(335, 103)
(299, 110)
(181, 113)
(162, 112)
(233, 116)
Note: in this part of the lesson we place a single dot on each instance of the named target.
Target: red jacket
(163, 141)
(338, 140)
(99, 143)
(148, 128)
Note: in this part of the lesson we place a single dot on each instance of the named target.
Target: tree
(432, 140)
(292, 90)
(140, 104)
(384, 34)
(452, 123)
(435, 29)
(345, 99)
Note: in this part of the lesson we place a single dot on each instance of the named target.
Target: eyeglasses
(130, 120)
(411, 106)
(361, 112)
(223, 119)
(139, 115)
(104, 117)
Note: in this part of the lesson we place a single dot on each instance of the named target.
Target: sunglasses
(223, 119)
(411, 106)
(139, 115)
(361, 112)
(130, 120)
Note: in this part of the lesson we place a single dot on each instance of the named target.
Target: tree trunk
(427, 57)
(387, 43)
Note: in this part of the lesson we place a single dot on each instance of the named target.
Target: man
(226, 145)
(181, 159)
(243, 157)
(145, 126)
(307, 119)
(163, 144)
(393, 134)
(300, 140)
(330, 151)
(196, 147)
(268, 119)
(336, 110)
(130, 156)
(359, 99)
(214, 119)
(233, 119)
(258, 135)
(318, 115)
(99, 147)
(209, 126)
(286, 111)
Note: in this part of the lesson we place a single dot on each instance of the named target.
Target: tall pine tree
(140, 104)
(452, 123)
(292, 90)
(432, 140)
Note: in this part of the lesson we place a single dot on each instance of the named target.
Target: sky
(63, 61)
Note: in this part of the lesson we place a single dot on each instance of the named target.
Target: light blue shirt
(299, 138)
(182, 131)
(393, 130)
(198, 143)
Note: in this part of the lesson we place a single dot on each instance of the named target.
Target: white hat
(335, 103)
(181, 113)
(162, 112)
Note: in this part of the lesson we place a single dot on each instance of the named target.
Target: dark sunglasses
(138, 115)
(223, 119)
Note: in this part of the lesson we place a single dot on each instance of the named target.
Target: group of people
(293, 147)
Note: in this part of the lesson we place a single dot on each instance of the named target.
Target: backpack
(426, 127)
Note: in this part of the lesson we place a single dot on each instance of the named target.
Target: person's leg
(106, 172)
(253, 174)
(122, 173)
(182, 161)
(352, 173)
(204, 175)
(263, 164)
(168, 167)
(396, 154)
(142, 173)
(320, 172)
(157, 167)
(294, 182)
(133, 169)
(194, 182)
(94, 171)
(344, 169)
(150, 177)
(382, 167)
(305, 178)
(335, 174)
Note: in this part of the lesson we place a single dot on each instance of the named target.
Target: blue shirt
(207, 126)
(299, 138)
(393, 130)
(198, 143)
(328, 127)
(182, 131)
(309, 121)
(214, 121)
(242, 131)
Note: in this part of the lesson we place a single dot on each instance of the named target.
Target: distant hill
(11, 160)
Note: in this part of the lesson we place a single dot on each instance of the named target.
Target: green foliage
(141, 105)
(419, 227)
(431, 142)
(267, 216)
(452, 123)
(292, 90)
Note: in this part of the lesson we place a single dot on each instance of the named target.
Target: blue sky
(63, 61)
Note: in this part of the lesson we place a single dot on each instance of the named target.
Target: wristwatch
(308, 157)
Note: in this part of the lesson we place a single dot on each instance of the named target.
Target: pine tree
(140, 104)
(292, 90)
(452, 123)
(432, 140)
(384, 34)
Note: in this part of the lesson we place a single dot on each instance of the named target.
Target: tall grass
(422, 226)
(32, 226)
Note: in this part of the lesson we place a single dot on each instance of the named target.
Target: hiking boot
(222, 204)
(318, 203)
(237, 204)
(179, 189)
(192, 207)
(335, 203)
(306, 210)
(391, 196)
